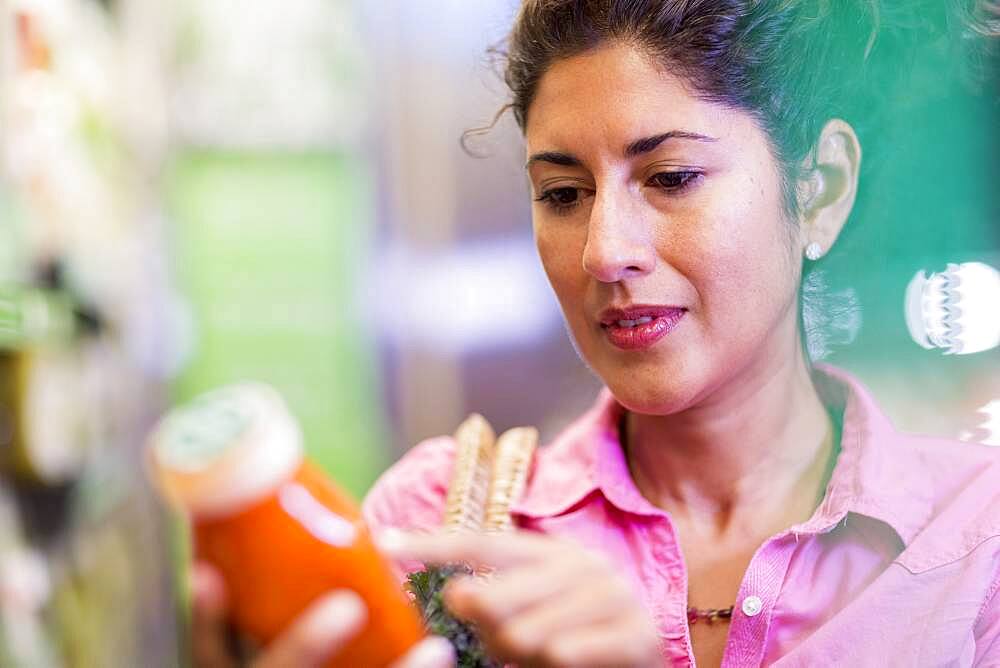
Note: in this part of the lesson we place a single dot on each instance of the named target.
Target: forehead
(614, 94)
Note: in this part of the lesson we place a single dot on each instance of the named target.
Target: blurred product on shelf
(84, 560)
(47, 368)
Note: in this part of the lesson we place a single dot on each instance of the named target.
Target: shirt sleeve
(987, 632)
(411, 494)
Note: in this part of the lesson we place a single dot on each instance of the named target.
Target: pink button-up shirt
(898, 566)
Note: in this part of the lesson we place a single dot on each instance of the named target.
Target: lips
(638, 327)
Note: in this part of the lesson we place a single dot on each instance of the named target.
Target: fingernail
(343, 609)
(390, 540)
(466, 584)
(207, 589)
(434, 652)
(202, 578)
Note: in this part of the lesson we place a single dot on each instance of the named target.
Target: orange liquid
(282, 553)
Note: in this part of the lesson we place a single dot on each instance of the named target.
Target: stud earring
(814, 251)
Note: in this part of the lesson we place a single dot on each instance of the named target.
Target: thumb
(209, 645)
(432, 652)
(318, 634)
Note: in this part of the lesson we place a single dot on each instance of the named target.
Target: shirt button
(752, 606)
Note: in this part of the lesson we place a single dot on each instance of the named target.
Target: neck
(753, 456)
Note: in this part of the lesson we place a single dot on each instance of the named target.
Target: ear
(829, 186)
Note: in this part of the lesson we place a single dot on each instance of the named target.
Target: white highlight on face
(957, 310)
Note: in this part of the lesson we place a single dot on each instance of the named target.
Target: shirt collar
(877, 473)
(874, 474)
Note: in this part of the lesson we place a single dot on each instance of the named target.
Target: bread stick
(511, 463)
(466, 501)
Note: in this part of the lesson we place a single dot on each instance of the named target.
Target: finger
(208, 591)
(526, 635)
(475, 549)
(322, 630)
(209, 640)
(510, 592)
(433, 652)
(629, 643)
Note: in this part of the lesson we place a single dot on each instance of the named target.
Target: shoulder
(943, 494)
(411, 494)
(956, 469)
(961, 481)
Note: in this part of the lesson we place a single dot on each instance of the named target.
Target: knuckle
(479, 606)
(303, 645)
(516, 640)
(559, 653)
(612, 593)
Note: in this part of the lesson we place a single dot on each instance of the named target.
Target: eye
(674, 181)
(561, 200)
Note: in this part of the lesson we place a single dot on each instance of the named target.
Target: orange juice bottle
(280, 533)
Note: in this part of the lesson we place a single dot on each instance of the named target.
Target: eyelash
(688, 178)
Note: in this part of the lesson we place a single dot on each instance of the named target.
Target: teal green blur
(268, 250)
(929, 125)
(929, 195)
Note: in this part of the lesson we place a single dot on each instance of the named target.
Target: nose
(618, 243)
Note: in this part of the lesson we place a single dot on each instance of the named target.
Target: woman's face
(658, 218)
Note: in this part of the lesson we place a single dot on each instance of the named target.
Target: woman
(687, 159)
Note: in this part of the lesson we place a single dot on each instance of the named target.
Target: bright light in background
(474, 297)
(988, 431)
(957, 309)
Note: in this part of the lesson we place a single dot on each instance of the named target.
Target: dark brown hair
(792, 64)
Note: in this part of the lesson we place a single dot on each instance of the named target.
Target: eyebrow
(647, 144)
(554, 157)
(632, 150)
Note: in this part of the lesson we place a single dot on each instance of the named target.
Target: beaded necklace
(709, 614)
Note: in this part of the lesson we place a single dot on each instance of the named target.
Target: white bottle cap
(225, 450)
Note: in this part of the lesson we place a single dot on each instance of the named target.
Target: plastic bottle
(280, 532)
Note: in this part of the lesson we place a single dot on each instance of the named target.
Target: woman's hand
(312, 640)
(548, 603)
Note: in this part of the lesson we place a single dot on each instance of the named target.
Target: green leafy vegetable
(426, 587)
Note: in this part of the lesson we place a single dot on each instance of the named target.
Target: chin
(652, 389)
(662, 381)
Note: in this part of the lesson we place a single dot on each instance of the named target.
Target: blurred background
(198, 192)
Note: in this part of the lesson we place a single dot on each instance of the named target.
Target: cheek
(560, 250)
(739, 258)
